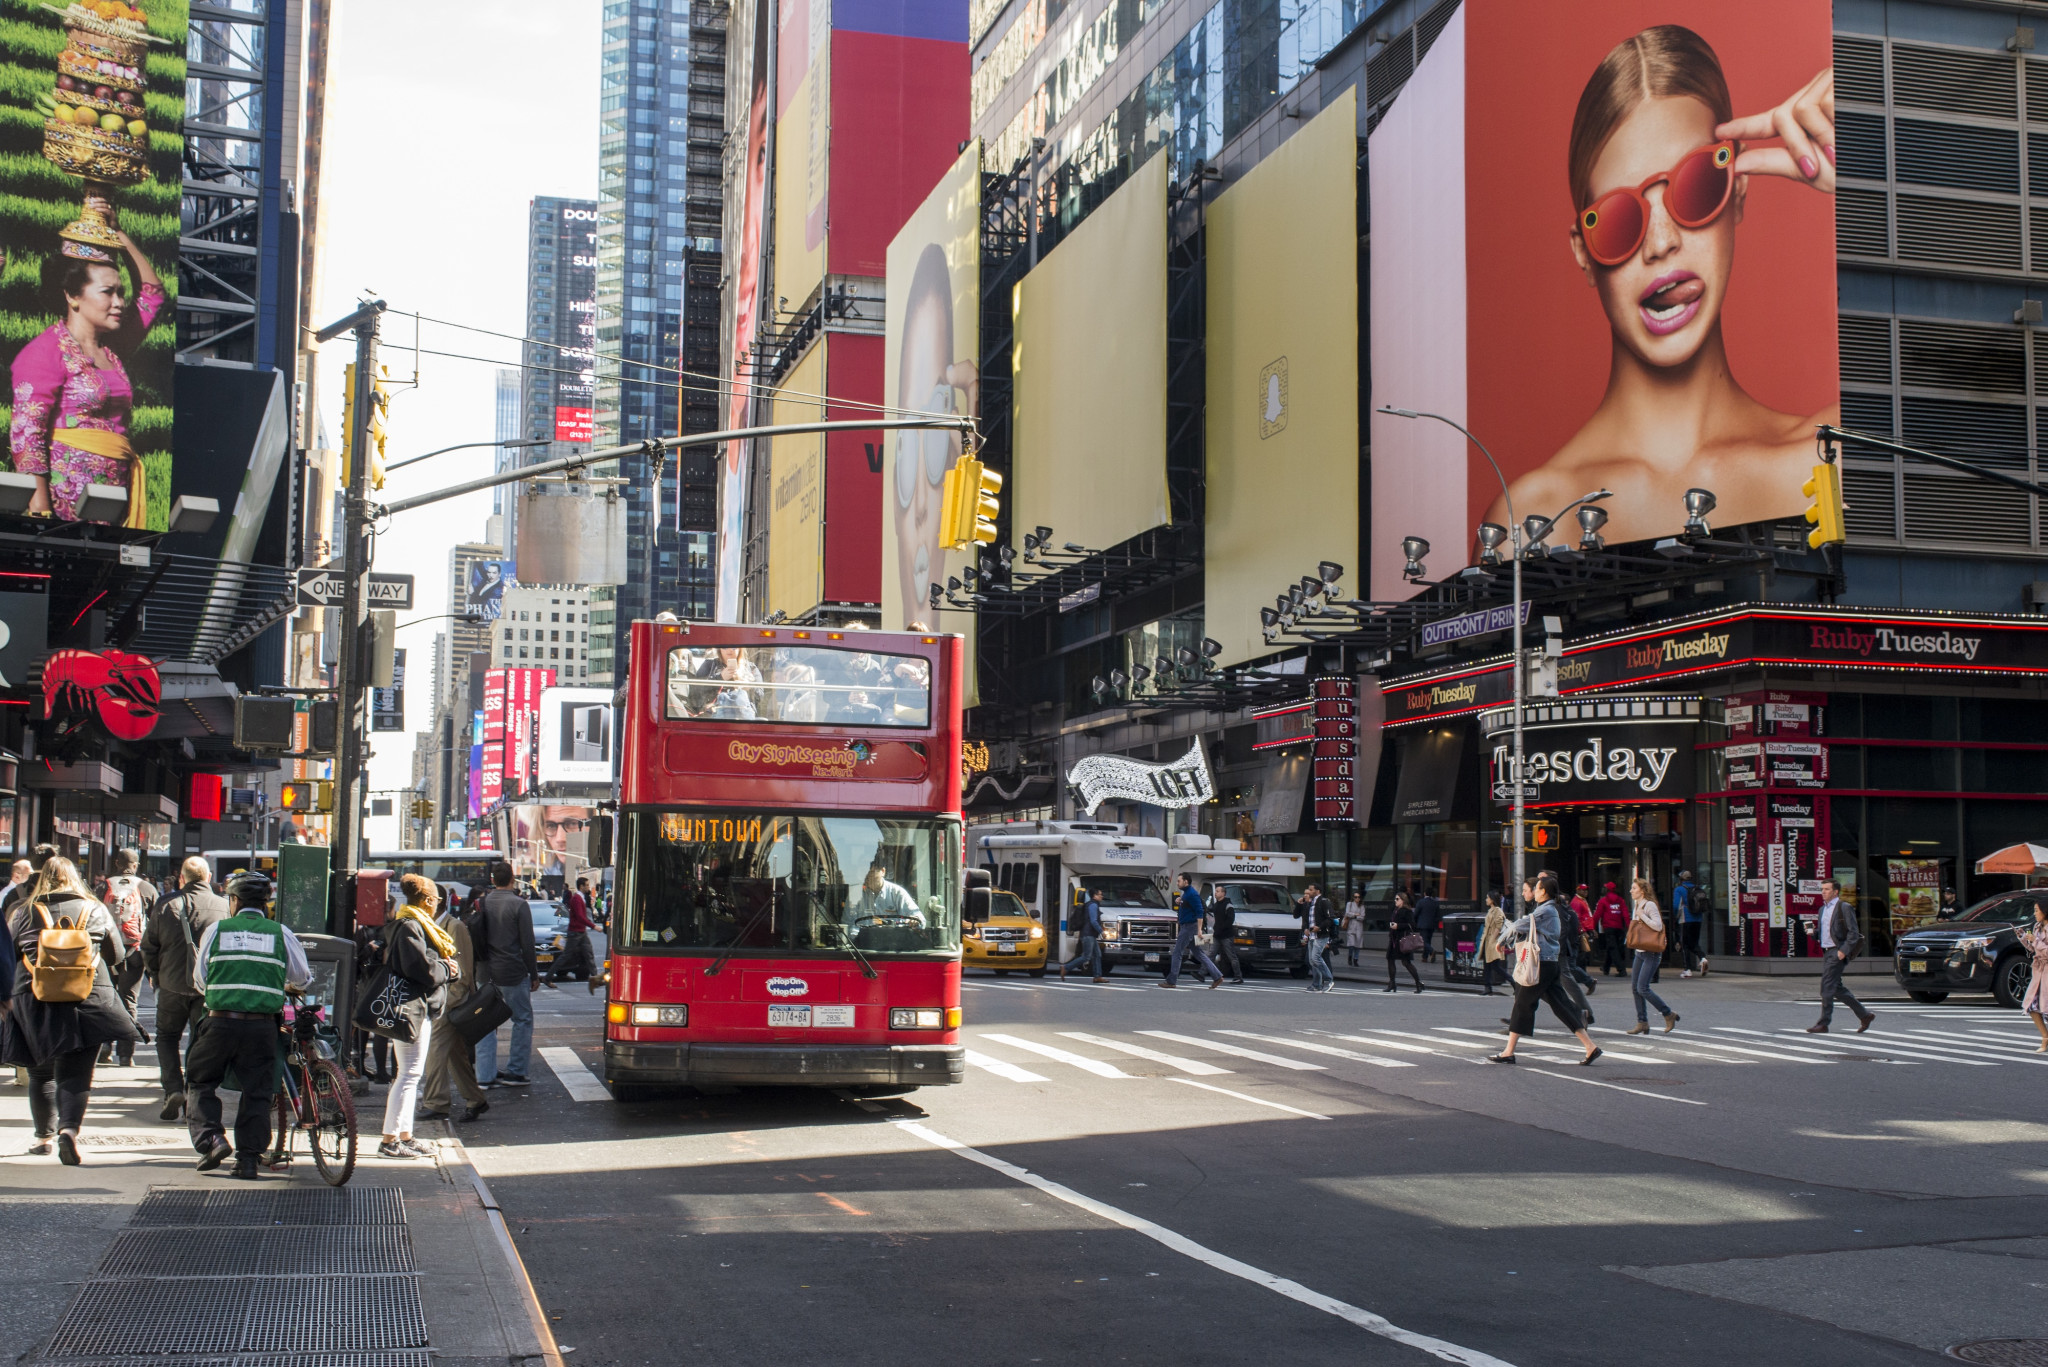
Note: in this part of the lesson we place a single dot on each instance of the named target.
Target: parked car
(1978, 951)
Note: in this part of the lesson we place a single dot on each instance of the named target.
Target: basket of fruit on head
(107, 29)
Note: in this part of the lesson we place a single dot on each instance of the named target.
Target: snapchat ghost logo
(1273, 399)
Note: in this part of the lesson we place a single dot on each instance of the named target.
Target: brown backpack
(66, 960)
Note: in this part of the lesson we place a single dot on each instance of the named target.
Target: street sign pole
(352, 670)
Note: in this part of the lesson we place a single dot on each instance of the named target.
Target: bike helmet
(247, 885)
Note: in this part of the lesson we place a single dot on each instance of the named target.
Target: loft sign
(1183, 782)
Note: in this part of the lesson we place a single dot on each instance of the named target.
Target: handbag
(1642, 936)
(1411, 943)
(1529, 959)
(381, 1009)
(476, 1015)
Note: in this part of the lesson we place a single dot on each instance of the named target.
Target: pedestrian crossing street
(1907, 1037)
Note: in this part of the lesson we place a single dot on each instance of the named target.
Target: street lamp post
(1518, 547)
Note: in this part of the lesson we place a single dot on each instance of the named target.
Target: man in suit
(1840, 939)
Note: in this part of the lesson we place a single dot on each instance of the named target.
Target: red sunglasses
(1695, 192)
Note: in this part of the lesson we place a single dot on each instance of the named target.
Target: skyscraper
(552, 389)
(659, 222)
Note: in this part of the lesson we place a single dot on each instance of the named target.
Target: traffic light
(1541, 837)
(969, 505)
(307, 795)
(1825, 509)
(423, 809)
(380, 408)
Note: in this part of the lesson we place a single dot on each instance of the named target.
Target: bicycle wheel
(332, 1136)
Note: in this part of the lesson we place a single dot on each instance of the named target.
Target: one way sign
(325, 588)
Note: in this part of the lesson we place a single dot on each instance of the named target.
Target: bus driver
(881, 900)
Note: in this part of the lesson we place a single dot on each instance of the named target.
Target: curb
(455, 1158)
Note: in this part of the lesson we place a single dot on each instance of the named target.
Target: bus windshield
(802, 684)
(782, 884)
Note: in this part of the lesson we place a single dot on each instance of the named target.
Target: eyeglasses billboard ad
(550, 840)
(95, 99)
(1607, 248)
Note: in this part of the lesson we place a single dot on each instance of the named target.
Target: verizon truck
(1049, 863)
(1258, 884)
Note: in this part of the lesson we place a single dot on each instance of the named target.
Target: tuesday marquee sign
(1747, 636)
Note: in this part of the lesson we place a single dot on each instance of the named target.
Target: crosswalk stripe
(1899, 1042)
(1395, 1044)
(1407, 1034)
(1863, 1047)
(1613, 1086)
(2018, 1041)
(1186, 1065)
(1778, 1055)
(1256, 1101)
(1002, 1069)
(582, 1085)
(1296, 1064)
(1329, 1049)
(1665, 1047)
(1573, 1050)
(1086, 1065)
(2007, 1051)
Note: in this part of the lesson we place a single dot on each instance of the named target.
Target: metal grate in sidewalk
(289, 1277)
(268, 1250)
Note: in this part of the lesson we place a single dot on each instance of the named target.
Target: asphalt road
(1275, 1176)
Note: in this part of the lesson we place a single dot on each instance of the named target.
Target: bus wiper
(740, 937)
(867, 965)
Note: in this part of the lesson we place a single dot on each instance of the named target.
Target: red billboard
(573, 424)
(1607, 248)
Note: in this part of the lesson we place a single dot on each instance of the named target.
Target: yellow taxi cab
(999, 933)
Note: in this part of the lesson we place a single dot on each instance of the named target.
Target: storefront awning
(2023, 859)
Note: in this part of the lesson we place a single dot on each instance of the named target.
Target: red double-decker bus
(788, 856)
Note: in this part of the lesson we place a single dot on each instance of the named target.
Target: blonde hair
(1642, 885)
(1663, 62)
(59, 875)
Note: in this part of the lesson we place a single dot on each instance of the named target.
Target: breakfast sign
(1746, 636)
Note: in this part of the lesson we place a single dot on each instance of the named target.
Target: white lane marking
(1406, 1034)
(1330, 1049)
(1254, 1055)
(1374, 1324)
(1614, 1087)
(1256, 1101)
(1086, 1065)
(1867, 1047)
(2009, 1044)
(1806, 1053)
(581, 1082)
(1773, 1054)
(1548, 1044)
(1002, 1069)
(1186, 1065)
(1396, 1044)
(1665, 1048)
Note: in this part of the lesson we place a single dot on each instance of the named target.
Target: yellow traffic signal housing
(1541, 837)
(307, 795)
(969, 505)
(423, 809)
(1824, 489)
(380, 409)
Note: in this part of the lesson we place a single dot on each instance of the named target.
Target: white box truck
(1049, 863)
(1261, 885)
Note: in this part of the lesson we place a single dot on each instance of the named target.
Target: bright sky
(443, 122)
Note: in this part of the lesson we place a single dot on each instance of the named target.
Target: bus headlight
(618, 1013)
(916, 1018)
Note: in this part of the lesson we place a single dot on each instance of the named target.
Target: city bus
(788, 861)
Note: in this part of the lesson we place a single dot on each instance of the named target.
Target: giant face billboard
(1606, 247)
(90, 183)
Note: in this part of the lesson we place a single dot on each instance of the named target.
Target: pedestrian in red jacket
(1612, 915)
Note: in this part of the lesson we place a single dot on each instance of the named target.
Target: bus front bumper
(785, 1065)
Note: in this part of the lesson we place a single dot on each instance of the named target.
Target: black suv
(1977, 951)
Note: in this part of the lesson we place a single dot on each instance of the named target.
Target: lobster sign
(121, 689)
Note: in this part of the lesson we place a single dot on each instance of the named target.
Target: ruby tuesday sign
(1935, 643)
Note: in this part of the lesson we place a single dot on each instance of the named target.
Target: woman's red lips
(1673, 291)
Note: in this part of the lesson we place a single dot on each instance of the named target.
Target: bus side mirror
(601, 840)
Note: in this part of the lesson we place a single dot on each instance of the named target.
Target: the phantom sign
(1182, 783)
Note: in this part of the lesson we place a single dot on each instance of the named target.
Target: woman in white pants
(422, 953)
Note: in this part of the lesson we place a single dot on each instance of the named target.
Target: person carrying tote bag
(1535, 941)
(423, 955)
(1646, 938)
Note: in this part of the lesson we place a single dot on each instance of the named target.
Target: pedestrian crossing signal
(1541, 837)
(307, 795)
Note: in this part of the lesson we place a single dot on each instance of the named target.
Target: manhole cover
(2003, 1352)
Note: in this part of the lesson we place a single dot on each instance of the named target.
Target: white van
(1259, 885)
(1049, 863)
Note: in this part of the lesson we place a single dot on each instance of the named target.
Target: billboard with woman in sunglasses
(1642, 260)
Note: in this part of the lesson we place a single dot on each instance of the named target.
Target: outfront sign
(1918, 643)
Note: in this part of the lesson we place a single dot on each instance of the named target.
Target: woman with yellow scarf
(423, 954)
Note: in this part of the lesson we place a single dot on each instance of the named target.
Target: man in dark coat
(176, 925)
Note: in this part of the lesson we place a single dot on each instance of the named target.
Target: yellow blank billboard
(796, 492)
(1282, 353)
(1090, 367)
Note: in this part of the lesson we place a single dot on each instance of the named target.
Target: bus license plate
(1277, 942)
(1006, 949)
(1151, 958)
(789, 1016)
(1916, 966)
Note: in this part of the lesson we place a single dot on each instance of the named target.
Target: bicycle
(313, 1096)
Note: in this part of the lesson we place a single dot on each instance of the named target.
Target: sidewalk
(139, 1259)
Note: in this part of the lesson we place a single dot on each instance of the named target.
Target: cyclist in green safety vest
(244, 967)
